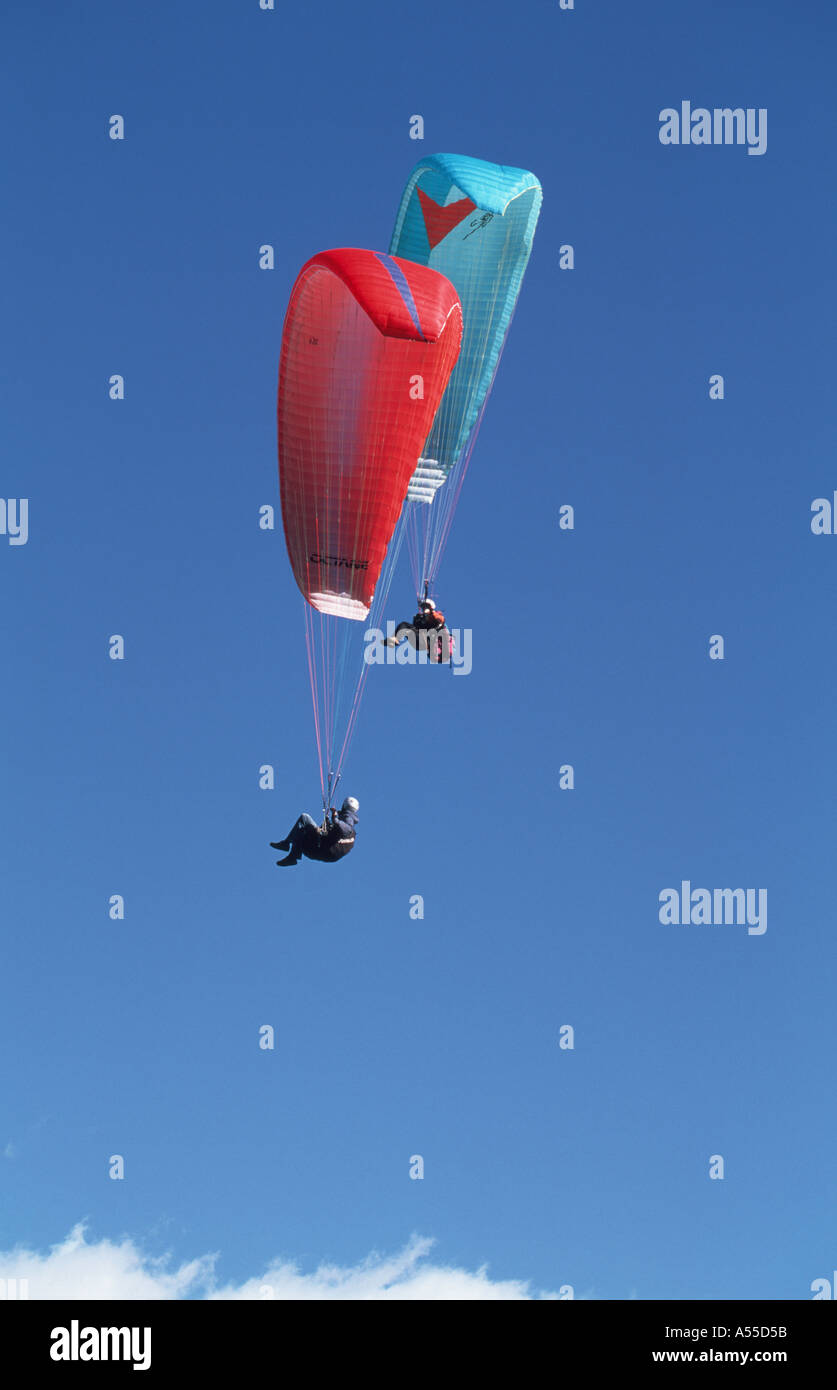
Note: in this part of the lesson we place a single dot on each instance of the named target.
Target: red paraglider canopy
(368, 345)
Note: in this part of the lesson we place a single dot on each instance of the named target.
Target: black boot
(290, 859)
(280, 844)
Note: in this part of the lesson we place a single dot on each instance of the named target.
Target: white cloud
(115, 1270)
(104, 1269)
(407, 1275)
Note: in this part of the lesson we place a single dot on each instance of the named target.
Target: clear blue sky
(439, 1037)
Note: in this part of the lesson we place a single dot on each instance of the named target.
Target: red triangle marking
(438, 220)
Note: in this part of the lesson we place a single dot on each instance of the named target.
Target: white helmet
(350, 804)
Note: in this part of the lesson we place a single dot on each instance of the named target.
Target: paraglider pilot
(327, 842)
(430, 620)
